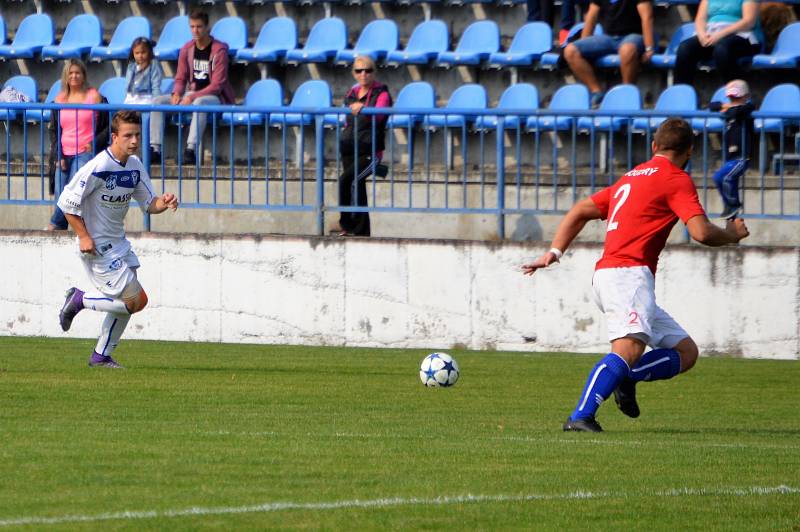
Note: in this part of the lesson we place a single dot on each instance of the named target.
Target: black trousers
(353, 189)
(726, 54)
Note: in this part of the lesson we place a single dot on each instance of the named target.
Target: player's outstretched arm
(162, 203)
(703, 231)
(570, 226)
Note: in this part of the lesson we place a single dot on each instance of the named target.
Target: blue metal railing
(555, 157)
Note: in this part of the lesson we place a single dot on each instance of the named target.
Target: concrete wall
(403, 293)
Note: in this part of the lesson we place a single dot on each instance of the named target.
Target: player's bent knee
(688, 352)
(135, 297)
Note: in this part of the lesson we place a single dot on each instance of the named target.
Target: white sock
(103, 303)
(110, 333)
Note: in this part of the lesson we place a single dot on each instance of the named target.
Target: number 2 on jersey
(625, 190)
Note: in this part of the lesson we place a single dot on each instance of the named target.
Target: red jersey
(641, 208)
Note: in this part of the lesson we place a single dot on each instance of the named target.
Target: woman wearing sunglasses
(359, 156)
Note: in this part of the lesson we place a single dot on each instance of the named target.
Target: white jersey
(101, 192)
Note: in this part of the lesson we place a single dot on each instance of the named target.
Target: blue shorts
(596, 46)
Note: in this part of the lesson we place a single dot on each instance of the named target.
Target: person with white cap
(737, 144)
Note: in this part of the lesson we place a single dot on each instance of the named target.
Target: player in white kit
(95, 203)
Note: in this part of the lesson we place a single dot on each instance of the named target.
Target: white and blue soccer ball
(439, 370)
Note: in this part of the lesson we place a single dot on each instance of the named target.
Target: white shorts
(112, 268)
(627, 298)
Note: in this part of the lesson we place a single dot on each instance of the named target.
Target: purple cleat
(72, 305)
(101, 361)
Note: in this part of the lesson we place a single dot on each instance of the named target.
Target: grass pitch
(251, 437)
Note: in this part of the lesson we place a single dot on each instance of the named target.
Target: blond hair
(69, 63)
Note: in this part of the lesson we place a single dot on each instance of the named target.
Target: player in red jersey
(641, 209)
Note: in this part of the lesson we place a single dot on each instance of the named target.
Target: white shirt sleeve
(143, 193)
(83, 183)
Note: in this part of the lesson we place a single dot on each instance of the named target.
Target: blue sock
(602, 381)
(657, 365)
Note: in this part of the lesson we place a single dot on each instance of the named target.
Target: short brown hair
(199, 14)
(674, 134)
(125, 117)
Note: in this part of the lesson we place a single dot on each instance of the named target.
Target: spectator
(628, 26)
(727, 31)
(82, 133)
(143, 76)
(542, 10)
(356, 139)
(202, 79)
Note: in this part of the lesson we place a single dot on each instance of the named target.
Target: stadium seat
(114, 90)
(613, 60)
(262, 93)
(3, 32)
(166, 85)
(671, 102)
(379, 38)
(479, 40)
(43, 115)
(119, 47)
(518, 96)
(175, 34)
(469, 96)
(530, 42)
(311, 94)
(621, 98)
(277, 36)
(415, 95)
(574, 97)
(780, 98)
(427, 41)
(667, 59)
(550, 60)
(34, 33)
(24, 84)
(786, 52)
(233, 32)
(712, 125)
(326, 38)
(83, 32)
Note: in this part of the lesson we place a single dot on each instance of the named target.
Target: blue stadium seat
(326, 38)
(34, 33)
(175, 34)
(37, 115)
(415, 95)
(262, 93)
(114, 90)
(666, 60)
(312, 93)
(786, 52)
(530, 42)
(378, 38)
(479, 40)
(233, 32)
(427, 41)
(24, 84)
(469, 96)
(621, 98)
(574, 97)
(712, 125)
(3, 32)
(671, 102)
(119, 47)
(549, 60)
(780, 98)
(518, 96)
(277, 36)
(82, 33)
(166, 85)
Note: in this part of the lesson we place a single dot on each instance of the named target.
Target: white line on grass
(392, 502)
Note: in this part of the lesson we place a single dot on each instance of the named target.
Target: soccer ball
(438, 369)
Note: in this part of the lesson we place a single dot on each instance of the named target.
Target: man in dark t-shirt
(628, 31)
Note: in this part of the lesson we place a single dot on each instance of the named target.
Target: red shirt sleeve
(602, 200)
(683, 198)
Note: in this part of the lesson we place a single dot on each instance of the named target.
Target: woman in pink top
(81, 133)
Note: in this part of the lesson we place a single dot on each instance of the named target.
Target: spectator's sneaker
(597, 97)
(562, 36)
(730, 212)
(101, 361)
(625, 397)
(189, 156)
(585, 424)
(72, 305)
(155, 156)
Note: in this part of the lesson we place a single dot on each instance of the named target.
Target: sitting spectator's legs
(727, 53)
(157, 121)
(630, 49)
(198, 125)
(580, 55)
(689, 53)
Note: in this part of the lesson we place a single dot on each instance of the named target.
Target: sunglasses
(363, 70)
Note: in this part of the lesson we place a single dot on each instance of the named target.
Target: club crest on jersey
(111, 182)
(116, 264)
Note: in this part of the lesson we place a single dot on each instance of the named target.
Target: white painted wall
(402, 293)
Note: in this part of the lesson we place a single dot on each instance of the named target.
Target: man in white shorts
(641, 209)
(95, 203)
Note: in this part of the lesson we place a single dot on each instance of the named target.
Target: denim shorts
(596, 46)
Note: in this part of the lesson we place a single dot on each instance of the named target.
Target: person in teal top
(727, 31)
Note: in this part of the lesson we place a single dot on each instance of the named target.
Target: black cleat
(625, 397)
(586, 424)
